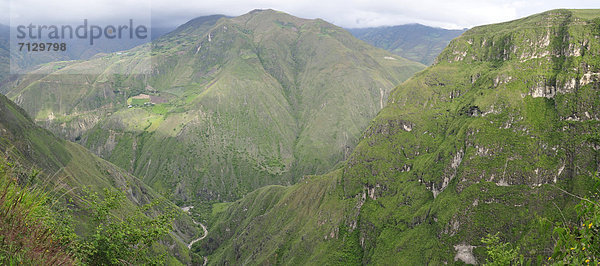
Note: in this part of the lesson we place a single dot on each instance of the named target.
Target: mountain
(77, 50)
(67, 169)
(4, 53)
(158, 32)
(412, 41)
(230, 104)
(491, 138)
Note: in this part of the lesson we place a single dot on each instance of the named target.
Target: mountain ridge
(484, 141)
(414, 41)
(233, 103)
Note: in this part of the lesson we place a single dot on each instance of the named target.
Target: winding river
(187, 210)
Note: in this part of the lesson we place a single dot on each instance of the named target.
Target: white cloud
(345, 13)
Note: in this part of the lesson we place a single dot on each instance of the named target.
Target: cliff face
(508, 113)
(478, 143)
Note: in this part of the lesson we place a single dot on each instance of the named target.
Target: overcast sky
(346, 13)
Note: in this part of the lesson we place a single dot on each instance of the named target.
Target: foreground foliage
(579, 243)
(500, 253)
(576, 243)
(122, 241)
(33, 233)
(25, 235)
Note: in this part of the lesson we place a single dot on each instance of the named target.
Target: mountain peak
(268, 10)
(257, 81)
(480, 142)
(262, 16)
(197, 24)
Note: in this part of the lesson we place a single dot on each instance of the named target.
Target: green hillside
(66, 170)
(482, 142)
(412, 41)
(231, 104)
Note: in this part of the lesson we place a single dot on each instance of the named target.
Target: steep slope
(479, 143)
(412, 41)
(66, 168)
(232, 104)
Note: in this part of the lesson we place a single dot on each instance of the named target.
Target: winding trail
(187, 210)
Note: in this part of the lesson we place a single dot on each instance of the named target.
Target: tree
(500, 253)
(579, 244)
(121, 241)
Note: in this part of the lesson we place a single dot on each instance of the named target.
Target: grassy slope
(67, 168)
(462, 149)
(255, 100)
(286, 225)
(25, 234)
(413, 41)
